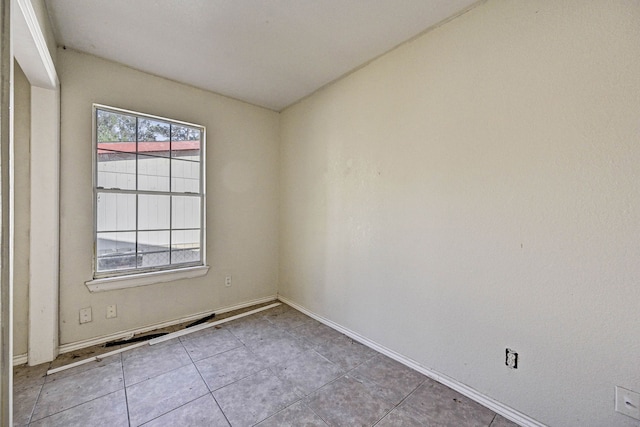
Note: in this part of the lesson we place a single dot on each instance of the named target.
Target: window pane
(116, 212)
(116, 169)
(185, 176)
(115, 127)
(185, 212)
(153, 248)
(185, 142)
(153, 173)
(153, 137)
(153, 212)
(116, 251)
(185, 246)
(116, 147)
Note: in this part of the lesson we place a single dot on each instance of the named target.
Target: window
(148, 193)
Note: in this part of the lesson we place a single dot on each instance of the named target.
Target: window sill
(143, 279)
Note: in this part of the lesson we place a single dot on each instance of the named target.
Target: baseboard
(497, 407)
(77, 345)
(19, 359)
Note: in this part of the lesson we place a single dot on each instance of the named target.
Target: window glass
(116, 144)
(185, 212)
(149, 198)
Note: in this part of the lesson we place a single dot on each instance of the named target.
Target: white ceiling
(267, 52)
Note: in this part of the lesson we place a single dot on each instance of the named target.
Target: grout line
(157, 375)
(126, 396)
(75, 406)
(300, 400)
(219, 407)
(193, 362)
(33, 410)
(241, 379)
(401, 402)
(316, 414)
(175, 409)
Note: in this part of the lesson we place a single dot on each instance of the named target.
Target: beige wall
(242, 198)
(479, 188)
(22, 131)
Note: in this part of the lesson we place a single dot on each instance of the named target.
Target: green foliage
(114, 127)
(183, 133)
(152, 130)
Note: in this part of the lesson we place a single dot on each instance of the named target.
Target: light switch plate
(628, 402)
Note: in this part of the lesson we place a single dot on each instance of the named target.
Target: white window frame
(119, 279)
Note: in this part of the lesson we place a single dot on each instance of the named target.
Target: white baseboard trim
(77, 345)
(19, 359)
(497, 407)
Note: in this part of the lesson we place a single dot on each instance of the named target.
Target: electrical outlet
(85, 315)
(227, 281)
(511, 359)
(112, 311)
(628, 402)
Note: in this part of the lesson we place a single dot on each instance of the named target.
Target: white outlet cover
(628, 402)
(112, 311)
(85, 315)
(511, 359)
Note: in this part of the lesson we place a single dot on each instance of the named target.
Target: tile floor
(274, 368)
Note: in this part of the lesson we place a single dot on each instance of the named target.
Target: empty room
(320, 213)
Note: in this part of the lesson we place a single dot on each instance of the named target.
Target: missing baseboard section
(79, 345)
(162, 338)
